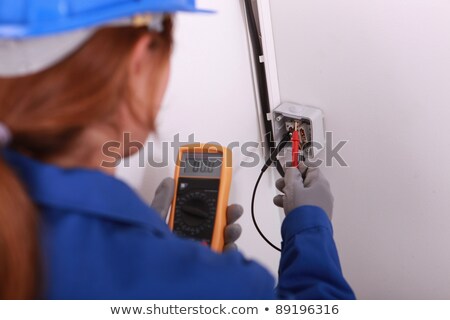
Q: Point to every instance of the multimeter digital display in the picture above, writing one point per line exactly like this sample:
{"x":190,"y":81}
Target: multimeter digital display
{"x":203,"y":179}
{"x":201,"y":165}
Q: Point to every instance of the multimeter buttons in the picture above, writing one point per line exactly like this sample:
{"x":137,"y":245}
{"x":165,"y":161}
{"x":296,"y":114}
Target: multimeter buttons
{"x":195,"y":212}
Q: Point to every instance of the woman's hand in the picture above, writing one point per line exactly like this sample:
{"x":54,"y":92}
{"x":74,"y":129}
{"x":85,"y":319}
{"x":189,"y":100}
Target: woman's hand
{"x":163,"y":200}
{"x":233,"y":230}
{"x":314,"y":190}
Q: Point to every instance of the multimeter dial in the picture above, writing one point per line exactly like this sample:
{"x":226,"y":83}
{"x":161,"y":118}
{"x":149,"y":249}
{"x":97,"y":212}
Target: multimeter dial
{"x":196,"y":207}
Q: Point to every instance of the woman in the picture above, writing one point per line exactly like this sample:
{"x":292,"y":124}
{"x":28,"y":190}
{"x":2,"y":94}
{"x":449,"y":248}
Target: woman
{"x":72,"y":78}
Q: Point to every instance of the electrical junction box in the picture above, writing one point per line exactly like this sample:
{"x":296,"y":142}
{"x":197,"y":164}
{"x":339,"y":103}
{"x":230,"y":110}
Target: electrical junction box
{"x":310,"y":121}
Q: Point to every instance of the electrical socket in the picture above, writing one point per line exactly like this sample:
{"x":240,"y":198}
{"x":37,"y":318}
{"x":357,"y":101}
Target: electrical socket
{"x":311,"y":120}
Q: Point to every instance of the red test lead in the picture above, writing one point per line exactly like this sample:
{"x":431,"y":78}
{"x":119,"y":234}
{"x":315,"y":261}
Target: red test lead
{"x":295,"y":146}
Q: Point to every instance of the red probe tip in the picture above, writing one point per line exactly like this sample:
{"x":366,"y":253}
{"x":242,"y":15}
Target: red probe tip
{"x":295,"y":148}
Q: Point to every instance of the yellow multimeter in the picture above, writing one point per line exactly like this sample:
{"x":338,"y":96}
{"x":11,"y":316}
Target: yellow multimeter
{"x":202,"y":186}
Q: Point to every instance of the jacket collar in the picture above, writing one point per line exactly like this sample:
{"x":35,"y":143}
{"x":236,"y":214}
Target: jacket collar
{"x":81,"y":190}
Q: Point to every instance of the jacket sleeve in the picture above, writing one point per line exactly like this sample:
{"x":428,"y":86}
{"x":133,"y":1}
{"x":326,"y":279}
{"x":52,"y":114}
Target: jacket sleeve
{"x":309,"y":267}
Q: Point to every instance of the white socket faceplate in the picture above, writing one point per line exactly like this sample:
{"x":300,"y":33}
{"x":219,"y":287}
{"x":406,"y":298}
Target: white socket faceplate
{"x":290,"y":111}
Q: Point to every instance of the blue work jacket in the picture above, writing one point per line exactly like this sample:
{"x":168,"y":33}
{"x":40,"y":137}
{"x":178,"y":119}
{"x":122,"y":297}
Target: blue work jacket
{"x":99,"y":240}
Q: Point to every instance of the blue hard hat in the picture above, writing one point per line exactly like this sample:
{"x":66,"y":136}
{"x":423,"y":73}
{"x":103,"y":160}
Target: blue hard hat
{"x":36,"y":34}
{"x":31,"y":18}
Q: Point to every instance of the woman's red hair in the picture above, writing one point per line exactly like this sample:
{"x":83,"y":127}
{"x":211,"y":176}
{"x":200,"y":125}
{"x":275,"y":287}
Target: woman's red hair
{"x":46,"y":112}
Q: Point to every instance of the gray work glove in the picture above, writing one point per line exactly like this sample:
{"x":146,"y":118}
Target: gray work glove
{"x":314,"y":190}
{"x":163,"y":200}
{"x":163,"y":197}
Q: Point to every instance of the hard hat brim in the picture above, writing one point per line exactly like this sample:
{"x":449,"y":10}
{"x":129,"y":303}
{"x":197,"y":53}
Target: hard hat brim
{"x":50,"y":31}
{"x":43,"y":19}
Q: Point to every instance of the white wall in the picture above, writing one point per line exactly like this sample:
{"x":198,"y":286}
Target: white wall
{"x":381,"y":72}
{"x":211,"y":94}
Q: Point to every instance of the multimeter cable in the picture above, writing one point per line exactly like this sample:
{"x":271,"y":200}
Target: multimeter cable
{"x":273,"y":158}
